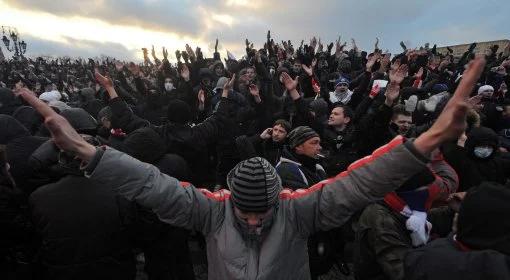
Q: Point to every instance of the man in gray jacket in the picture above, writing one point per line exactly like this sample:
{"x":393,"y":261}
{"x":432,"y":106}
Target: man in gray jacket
{"x":257,"y":230}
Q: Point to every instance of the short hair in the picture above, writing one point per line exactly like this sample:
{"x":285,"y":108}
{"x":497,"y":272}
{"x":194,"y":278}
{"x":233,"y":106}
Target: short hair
{"x":348,"y":112}
{"x":400,"y":110}
{"x":283,"y":123}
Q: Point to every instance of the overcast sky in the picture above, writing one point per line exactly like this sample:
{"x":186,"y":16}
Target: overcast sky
{"x":120,"y":28}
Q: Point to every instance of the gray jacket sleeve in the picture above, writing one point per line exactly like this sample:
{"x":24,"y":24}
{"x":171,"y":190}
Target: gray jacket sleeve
{"x":330,"y":203}
{"x":176,"y":203}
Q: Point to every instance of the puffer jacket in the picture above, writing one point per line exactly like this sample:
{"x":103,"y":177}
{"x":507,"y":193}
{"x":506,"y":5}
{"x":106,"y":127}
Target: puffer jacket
{"x":282,"y":252}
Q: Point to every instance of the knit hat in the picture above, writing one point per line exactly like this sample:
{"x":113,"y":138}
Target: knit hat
{"x":254,"y":184}
{"x":483,"y":218}
{"x":221,"y":83}
{"x":485,"y":88}
{"x":178,"y":112}
{"x":301,"y":134}
{"x":342,"y":80}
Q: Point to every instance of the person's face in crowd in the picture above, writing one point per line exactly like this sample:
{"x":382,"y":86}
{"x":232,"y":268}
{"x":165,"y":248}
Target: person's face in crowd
{"x":296,"y":67}
{"x":219,"y":71}
{"x":206,"y":82}
{"x":106,"y":122}
{"x":278,"y":133}
{"x":37,"y":87}
{"x":323,"y":64}
{"x":169,"y":85}
{"x":251,"y":73}
{"x":403,"y":123}
{"x":253,"y":219}
{"x":487,"y":93}
{"x":483,"y":151}
{"x":337,"y":118}
{"x":310,"y":148}
{"x":342,"y":88}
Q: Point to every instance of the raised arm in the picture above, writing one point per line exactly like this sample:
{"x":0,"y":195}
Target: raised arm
{"x":176,"y":203}
{"x":330,"y":203}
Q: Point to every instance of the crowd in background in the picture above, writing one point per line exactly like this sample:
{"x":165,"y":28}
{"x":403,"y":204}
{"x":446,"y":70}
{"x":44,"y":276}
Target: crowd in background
{"x":311,"y":110}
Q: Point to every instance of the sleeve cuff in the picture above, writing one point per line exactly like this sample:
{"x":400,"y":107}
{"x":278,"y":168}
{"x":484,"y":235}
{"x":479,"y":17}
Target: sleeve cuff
{"x":91,"y":166}
{"x":409,"y":144}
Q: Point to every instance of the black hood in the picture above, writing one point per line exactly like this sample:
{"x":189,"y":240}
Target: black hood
{"x":144,"y":144}
{"x":80,"y":120}
{"x":8,"y":101}
{"x":11,"y":129}
{"x":483,"y":218}
{"x":480,"y":136}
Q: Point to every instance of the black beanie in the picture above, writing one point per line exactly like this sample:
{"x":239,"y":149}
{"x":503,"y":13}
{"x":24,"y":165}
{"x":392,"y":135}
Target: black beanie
{"x":483,"y":218}
{"x":178,"y":112}
{"x":144,"y":144}
{"x":301,"y":134}
{"x":255,"y":185}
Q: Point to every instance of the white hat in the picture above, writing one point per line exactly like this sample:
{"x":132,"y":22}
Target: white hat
{"x":50,"y":96}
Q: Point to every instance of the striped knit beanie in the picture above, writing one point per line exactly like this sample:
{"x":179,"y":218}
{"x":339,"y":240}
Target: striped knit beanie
{"x":300,"y":134}
{"x":254,"y":185}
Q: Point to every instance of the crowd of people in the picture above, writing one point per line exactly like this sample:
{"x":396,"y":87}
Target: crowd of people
{"x":286,"y":163}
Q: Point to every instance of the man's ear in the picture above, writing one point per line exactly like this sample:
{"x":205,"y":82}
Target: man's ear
{"x":347,"y":120}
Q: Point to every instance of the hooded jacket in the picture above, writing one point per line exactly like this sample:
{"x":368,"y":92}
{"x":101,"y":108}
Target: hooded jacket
{"x":282,"y":252}
{"x":299,"y":173}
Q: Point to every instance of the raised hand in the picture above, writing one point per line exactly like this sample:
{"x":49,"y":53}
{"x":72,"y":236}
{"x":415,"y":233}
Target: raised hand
{"x":178,"y":55}
{"x":308,"y":69}
{"x":371,"y":61}
{"x":62,"y":133}
{"x":185,"y":74}
{"x":153,"y":53}
{"x":190,"y":52}
{"x":201,"y":96}
{"x":104,"y":81}
{"x":376,"y":45}
{"x":451,"y":124}
{"x":228,"y":86}
{"x":397,"y":76}
{"x":216,"y":46}
{"x":353,"y":42}
{"x":165,"y":53}
{"x":266,"y":134}
{"x":392,"y":92}
{"x":268,"y":35}
{"x":254,"y":91}
{"x":289,"y":83}
{"x":321,"y":46}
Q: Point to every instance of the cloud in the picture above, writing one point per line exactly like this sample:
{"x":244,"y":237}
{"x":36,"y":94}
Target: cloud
{"x":170,"y":15}
{"x":77,"y":48}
